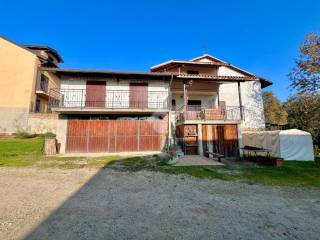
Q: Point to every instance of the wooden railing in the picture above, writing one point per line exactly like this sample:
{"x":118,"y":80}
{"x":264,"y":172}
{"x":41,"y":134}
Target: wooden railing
{"x":234,"y":113}
{"x":113,"y":99}
{"x":42,"y":84}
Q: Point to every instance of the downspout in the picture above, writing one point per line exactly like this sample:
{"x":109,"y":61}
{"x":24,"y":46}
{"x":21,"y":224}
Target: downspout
{"x":169,"y":115}
{"x":240,"y":101}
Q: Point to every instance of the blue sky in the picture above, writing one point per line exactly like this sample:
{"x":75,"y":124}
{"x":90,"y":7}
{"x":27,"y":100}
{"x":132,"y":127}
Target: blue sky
{"x":259,"y":36}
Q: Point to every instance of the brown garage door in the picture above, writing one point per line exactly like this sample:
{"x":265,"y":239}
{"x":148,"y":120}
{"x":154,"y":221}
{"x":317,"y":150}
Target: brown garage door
{"x":115,"y":135}
{"x":221,"y":139}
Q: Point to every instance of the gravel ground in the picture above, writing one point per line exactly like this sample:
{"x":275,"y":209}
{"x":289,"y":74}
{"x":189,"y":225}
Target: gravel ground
{"x":106,"y":204}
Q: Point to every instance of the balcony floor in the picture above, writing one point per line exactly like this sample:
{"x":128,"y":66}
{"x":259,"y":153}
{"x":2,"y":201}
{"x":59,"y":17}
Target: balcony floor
{"x":208,"y":122}
{"x":87,"y":110}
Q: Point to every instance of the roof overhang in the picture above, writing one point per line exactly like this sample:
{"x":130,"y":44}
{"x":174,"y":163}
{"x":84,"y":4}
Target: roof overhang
{"x":172,"y":63}
{"x":45,"y":48}
{"x":150,"y":75}
{"x":265,"y":83}
{"x":109,"y":74}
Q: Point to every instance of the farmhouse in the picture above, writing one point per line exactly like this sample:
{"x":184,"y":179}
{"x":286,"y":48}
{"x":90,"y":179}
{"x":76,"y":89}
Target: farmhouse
{"x":202,"y":104}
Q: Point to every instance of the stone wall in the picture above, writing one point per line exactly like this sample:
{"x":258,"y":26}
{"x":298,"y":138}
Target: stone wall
{"x":42,"y":122}
{"x":13,"y":119}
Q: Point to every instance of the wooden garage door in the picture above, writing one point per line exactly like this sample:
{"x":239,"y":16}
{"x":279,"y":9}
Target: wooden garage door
{"x":221,"y":139}
{"x":115,"y":135}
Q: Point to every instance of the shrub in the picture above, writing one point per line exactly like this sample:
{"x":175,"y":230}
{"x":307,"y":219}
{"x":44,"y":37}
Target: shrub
{"x":48,"y":135}
{"x":22,"y":135}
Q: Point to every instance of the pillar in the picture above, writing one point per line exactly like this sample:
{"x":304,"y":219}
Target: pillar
{"x":200,"y":146}
{"x":209,"y":137}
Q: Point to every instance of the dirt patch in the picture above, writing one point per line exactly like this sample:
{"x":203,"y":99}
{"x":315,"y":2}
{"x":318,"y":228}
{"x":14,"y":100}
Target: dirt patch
{"x":108,"y":204}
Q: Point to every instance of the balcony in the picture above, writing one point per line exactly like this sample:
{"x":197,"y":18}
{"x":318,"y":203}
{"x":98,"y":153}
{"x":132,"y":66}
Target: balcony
{"x":42,"y":86}
{"x":80,"y":100}
{"x":200,"y":113}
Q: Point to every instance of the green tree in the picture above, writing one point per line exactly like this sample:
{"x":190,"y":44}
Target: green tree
{"x":273,"y":110}
{"x":304,"y":113}
{"x":305,"y":76}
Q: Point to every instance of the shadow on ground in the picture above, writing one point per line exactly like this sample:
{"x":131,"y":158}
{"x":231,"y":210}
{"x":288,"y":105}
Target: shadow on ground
{"x":115,"y":204}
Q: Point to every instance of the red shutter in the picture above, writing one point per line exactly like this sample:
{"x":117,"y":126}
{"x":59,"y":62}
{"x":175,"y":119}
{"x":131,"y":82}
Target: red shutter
{"x":138,"y":95}
{"x":96,"y":94}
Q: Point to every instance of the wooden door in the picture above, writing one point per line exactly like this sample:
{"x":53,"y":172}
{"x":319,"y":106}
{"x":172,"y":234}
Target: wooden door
{"x":115,"y":135}
{"x":222,"y":139}
{"x":138,"y":95}
{"x":96,"y":94}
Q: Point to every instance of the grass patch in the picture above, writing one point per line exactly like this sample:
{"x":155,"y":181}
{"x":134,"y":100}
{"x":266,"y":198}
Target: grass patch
{"x":28,"y":152}
{"x":291,"y":173}
{"x":21,"y":147}
{"x":20,"y":152}
{"x":160,"y":164}
{"x":294,"y":173}
{"x":76,"y":162}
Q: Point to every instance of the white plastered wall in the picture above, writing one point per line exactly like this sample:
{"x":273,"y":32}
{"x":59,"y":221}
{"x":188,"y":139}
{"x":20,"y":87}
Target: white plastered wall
{"x":117,"y":93}
{"x":206,"y":100}
{"x":251,"y":95}
{"x":76,"y":97}
{"x":226,"y":71}
{"x":158,"y":94}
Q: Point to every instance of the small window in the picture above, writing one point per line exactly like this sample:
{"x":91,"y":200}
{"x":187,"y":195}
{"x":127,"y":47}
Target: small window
{"x":38,"y":106}
{"x":194,"y":102}
{"x":173,"y":104}
{"x":194,"y":105}
{"x":192,"y":72}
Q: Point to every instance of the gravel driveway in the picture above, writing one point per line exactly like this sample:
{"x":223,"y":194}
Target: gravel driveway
{"x":106,"y":204}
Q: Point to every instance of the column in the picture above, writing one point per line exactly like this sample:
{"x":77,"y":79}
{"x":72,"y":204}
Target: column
{"x":200,"y":147}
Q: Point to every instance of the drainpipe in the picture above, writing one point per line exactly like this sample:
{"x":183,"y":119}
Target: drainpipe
{"x":169,"y":114}
{"x":184,"y":100}
{"x":240,"y":101}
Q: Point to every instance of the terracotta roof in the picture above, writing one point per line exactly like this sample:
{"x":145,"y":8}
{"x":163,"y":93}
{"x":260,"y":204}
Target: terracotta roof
{"x":171,"y":63}
{"x":205,"y":76}
{"x":215,"y":62}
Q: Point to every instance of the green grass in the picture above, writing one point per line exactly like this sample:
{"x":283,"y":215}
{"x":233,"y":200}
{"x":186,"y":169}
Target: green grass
{"x":20,"y":152}
{"x":291,"y":173}
{"x":294,"y":173}
{"x":28,"y":152}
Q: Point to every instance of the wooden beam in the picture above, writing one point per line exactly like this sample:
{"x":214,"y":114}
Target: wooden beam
{"x":240,"y":100}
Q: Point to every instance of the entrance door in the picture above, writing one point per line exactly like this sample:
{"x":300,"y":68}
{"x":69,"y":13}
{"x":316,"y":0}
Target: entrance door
{"x":96,"y":94}
{"x":138,"y":95}
{"x":222,"y":139}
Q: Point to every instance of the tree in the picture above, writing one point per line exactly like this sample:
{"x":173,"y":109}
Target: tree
{"x":304,"y":113}
{"x":305,"y":76}
{"x":273,"y":110}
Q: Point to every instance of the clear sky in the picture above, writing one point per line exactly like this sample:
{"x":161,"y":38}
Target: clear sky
{"x":259,"y":36}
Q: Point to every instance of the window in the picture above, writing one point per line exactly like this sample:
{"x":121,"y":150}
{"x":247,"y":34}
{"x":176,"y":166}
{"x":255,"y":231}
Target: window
{"x":173,"y":104}
{"x":38,"y":106}
{"x":194,"y":105}
{"x":192,"y":72}
{"x":44,"y":83}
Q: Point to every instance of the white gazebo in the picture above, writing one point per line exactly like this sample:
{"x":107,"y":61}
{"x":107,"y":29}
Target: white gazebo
{"x":290,"y":144}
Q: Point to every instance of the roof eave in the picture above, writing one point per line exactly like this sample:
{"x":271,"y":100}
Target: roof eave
{"x":64,"y":71}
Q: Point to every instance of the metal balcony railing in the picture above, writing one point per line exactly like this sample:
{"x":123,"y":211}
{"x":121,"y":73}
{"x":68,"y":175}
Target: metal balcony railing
{"x":110,"y":99}
{"x":233,"y":113}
